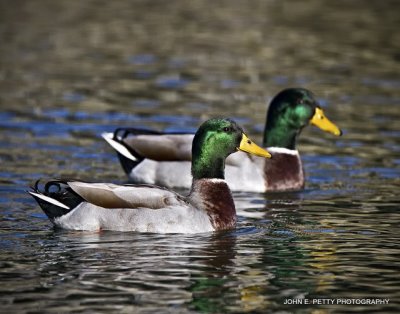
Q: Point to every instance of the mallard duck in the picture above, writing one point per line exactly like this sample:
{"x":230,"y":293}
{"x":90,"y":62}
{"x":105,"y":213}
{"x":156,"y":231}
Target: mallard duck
{"x":151,"y":156}
{"x":147,"y":208}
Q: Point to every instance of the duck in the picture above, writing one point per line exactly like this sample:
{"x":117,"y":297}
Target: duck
{"x":149,"y":156}
{"x":209,"y":206}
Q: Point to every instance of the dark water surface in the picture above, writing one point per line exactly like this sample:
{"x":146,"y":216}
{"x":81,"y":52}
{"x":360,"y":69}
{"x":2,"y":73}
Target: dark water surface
{"x":70,"y":70}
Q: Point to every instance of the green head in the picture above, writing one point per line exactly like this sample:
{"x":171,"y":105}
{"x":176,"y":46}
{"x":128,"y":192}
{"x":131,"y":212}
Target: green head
{"x":289,"y":112}
{"x":215,"y":140}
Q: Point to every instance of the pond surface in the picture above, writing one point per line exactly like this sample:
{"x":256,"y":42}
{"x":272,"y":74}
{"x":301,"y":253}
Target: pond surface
{"x":70,"y":70}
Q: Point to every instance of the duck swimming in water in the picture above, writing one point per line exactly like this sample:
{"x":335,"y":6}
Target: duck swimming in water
{"x":209,"y":206}
{"x":153,"y":157}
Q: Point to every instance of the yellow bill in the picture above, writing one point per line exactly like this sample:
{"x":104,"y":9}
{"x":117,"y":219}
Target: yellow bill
{"x":247,"y":145}
{"x":320,"y":120}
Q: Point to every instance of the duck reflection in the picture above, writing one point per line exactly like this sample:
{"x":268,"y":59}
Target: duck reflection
{"x":268,"y":258}
{"x":162,"y":270}
{"x":297,"y":241}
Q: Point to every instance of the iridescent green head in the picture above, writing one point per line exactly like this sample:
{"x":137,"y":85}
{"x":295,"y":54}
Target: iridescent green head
{"x":289,"y":112}
{"x":215,"y":140}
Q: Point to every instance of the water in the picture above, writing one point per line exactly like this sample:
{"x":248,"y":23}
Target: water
{"x":70,"y":70}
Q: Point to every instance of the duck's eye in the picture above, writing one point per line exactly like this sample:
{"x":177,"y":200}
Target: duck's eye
{"x":227,"y":129}
{"x":300,"y":101}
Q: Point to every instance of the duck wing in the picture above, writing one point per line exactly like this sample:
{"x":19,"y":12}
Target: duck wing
{"x":109,"y":195}
{"x":162,"y":147}
{"x":171,"y":147}
{"x":139,"y":144}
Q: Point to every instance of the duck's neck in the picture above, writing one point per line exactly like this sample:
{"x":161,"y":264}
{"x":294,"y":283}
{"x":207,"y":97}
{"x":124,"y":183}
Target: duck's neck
{"x":205,"y":165}
{"x":280,"y":135}
{"x":214,"y":197}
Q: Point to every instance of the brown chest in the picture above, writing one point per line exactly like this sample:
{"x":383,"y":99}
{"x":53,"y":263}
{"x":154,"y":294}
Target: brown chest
{"x":217,"y":201}
{"x":284,"y":172}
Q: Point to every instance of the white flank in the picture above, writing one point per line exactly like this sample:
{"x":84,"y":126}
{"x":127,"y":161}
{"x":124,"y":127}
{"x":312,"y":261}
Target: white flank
{"x":49,"y":200}
{"x":117,"y":146}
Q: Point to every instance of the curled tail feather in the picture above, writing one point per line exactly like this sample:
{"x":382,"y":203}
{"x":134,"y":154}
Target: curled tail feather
{"x":55,"y":197}
{"x":128,"y":157}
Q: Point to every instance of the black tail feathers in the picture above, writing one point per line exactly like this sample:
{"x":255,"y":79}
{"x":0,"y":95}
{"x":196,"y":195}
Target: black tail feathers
{"x":119,"y":135}
{"x":122,"y":133}
{"x":55,"y":197}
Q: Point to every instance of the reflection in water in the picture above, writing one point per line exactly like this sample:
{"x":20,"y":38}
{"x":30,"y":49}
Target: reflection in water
{"x":208,"y":288}
{"x":97,"y":65}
